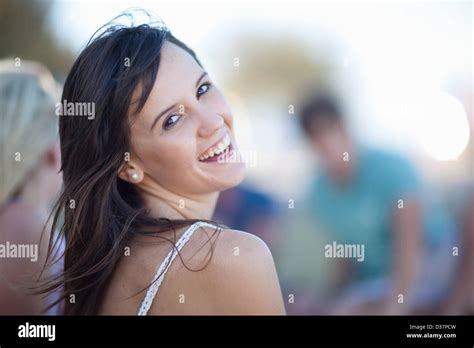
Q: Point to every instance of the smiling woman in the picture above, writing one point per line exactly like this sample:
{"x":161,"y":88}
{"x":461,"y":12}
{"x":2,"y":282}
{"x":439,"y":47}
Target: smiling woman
{"x":141,"y":185}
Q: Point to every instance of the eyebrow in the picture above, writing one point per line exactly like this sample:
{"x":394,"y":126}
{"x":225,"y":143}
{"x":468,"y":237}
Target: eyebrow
{"x":161,"y":114}
{"x":174,"y":105}
{"x":200,"y":78}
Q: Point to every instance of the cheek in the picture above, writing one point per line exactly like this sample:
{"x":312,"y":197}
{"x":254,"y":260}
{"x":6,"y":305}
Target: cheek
{"x":165,"y":158}
{"x":174,"y":156}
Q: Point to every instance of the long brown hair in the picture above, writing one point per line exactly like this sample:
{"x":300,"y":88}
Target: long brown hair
{"x":101,"y":211}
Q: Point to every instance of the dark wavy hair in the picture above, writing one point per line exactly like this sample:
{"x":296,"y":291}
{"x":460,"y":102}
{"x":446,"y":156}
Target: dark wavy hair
{"x":108,"y":211}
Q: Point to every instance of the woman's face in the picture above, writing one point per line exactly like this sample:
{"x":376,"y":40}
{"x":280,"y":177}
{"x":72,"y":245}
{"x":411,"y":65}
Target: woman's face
{"x":185,"y":120}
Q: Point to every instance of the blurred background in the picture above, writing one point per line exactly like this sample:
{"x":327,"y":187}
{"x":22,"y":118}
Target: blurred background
{"x":400,"y":74}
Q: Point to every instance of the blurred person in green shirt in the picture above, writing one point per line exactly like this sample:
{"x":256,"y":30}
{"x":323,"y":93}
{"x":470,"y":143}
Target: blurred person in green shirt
{"x":373,"y":201}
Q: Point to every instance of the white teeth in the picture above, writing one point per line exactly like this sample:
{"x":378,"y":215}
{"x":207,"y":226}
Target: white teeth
{"x":220,"y":147}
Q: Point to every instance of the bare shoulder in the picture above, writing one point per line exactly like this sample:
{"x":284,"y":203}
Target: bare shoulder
{"x":238,"y":248}
{"x":240,"y":277}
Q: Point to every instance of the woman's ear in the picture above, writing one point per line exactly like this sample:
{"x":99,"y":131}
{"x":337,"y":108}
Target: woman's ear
{"x":131,"y":173}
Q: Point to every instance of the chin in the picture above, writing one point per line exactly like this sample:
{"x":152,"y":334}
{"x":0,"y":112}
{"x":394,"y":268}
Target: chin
{"x":236,"y":176}
{"x":230,"y":176}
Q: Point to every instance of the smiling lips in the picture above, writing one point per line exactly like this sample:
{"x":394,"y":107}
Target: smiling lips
{"x":215,"y":150}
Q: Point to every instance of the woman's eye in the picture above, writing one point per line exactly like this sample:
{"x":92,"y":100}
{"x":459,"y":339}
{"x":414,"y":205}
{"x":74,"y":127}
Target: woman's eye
{"x":170,"y":121}
{"x":203,"y":89}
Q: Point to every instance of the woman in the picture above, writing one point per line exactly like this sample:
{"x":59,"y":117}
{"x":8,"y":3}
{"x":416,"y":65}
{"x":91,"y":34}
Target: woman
{"x":141,"y":180}
{"x":30,"y":182}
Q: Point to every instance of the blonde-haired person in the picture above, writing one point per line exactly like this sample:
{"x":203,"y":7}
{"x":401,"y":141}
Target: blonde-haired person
{"x":29,"y":179}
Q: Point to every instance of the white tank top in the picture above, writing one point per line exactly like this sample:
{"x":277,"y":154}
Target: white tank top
{"x":160,"y":273}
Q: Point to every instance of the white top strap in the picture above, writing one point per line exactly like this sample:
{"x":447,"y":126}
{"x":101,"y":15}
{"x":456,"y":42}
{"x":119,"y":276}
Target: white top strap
{"x":158,"y":278}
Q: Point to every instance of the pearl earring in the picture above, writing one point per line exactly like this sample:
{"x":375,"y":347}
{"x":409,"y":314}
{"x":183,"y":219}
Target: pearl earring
{"x":134,"y":176}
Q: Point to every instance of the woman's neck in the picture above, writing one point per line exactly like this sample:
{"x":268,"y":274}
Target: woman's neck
{"x":167,"y":204}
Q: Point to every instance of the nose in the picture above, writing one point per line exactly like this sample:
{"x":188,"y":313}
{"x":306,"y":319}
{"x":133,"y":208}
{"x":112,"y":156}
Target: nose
{"x":209,"y":122}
